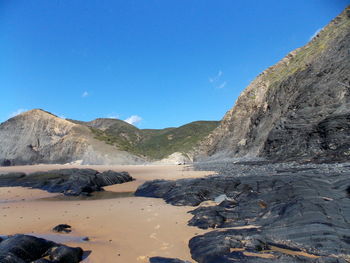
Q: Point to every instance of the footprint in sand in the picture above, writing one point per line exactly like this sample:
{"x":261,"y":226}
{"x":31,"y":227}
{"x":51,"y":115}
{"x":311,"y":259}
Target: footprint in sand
{"x":157,"y":227}
{"x":164,"y":246}
{"x":153,"y":235}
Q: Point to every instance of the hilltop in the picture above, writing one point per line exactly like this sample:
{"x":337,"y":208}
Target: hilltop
{"x":38,"y":136}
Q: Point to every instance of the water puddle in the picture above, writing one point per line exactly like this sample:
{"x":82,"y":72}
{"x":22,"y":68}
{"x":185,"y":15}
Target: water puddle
{"x":95,"y":196}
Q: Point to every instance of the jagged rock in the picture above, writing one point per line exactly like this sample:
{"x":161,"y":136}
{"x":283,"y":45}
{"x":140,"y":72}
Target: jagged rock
{"x":297,"y":109}
{"x":287,"y":205}
{"x":62,"y":228}
{"x":249,"y":246}
{"x":66,"y":181}
{"x":187,"y":191}
{"x":23,"y":248}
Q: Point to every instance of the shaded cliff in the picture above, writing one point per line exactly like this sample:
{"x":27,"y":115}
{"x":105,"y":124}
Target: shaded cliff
{"x":296,"y":109}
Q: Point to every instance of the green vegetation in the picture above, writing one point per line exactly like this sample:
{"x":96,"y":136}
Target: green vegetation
{"x":304,"y":55}
{"x":155,"y":144}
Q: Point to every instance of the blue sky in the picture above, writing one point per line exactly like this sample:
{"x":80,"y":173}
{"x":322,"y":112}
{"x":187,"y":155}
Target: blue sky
{"x":157,"y":63}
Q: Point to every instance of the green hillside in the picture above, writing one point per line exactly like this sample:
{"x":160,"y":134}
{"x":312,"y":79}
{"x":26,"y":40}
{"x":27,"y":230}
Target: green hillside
{"x":151,"y":143}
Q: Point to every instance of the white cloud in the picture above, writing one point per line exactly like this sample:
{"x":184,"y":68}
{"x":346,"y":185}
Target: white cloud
{"x":112,"y":116}
{"x":216,"y":78}
{"x":315,"y":34}
{"x":217,"y":81}
{"x":133,"y":120}
{"x":222,"y":85}
{"x":15,"y":113}
{"x":85,"y":94}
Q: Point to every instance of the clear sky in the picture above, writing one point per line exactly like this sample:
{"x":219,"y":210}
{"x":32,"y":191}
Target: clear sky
{"x":168,"y":62}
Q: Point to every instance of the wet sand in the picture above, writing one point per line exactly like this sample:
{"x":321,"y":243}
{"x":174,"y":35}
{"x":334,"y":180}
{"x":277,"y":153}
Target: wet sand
{"x":125,"y":229}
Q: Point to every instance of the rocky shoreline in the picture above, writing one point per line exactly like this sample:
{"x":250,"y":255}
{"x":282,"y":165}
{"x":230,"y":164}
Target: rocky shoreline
{"x":282,"y":212}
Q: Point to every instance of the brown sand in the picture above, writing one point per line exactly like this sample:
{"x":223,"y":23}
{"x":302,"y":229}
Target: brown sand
{"x":129,"y":229}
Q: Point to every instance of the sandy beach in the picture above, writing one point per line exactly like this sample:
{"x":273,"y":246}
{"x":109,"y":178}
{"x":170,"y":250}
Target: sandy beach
{"x":126,"y":229}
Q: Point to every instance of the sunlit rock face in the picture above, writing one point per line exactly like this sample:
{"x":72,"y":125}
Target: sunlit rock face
{"x":37,"y":136}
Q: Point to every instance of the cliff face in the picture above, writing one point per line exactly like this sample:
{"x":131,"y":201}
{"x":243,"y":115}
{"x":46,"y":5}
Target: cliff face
{"x":298,"y":108}
{"x":37,"y":136}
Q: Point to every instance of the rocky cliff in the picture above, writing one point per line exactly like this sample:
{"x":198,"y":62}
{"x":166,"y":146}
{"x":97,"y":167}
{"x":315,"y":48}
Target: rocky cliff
{"x":37,"y":136}
{"x":296,"y":109}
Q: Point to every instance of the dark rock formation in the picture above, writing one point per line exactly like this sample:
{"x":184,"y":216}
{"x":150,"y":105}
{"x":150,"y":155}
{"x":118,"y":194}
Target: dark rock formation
{"x":65,"y":254}
{"x":6,"y":163}
{"x":279,"y":207}
{"x":23,"y":248}
{"x":66,"y":181}
{"x":62,"y":228}
{"x":249,"y":246}
{"x":166,"y":260}
{"x":187,"y":191}
{"x":296,"y":109}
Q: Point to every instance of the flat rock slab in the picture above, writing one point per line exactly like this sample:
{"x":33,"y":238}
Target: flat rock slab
{"x":271,"y":212}
{"x":24,"y":248}
{"x":67,"y":181}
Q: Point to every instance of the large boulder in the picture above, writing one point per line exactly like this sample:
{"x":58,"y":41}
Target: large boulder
{"x":24,"y":248}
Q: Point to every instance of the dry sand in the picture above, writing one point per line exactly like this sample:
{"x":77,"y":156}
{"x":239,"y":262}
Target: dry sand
{"x":128,"y":229}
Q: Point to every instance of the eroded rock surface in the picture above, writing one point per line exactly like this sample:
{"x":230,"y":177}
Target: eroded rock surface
{"x":24,"y":248}
{"x":273,"y":212}
{"x":66,"y":181}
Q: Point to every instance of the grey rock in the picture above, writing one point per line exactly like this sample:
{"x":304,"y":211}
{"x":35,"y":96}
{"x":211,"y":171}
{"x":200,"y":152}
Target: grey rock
{"x":67,"y":181}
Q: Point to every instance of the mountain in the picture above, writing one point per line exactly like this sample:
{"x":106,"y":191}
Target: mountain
{"x":152,"y":144}
{"x":296,"y":109}
{"x":38,"y":136}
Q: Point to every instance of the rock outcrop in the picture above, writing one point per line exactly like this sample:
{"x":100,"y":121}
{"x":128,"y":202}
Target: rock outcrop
{"x":37,"y":136}
{"x":72,"y":182}
{"x":283,"y":212}
{"x":296,"y":109}
{"x":24,"y":248}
